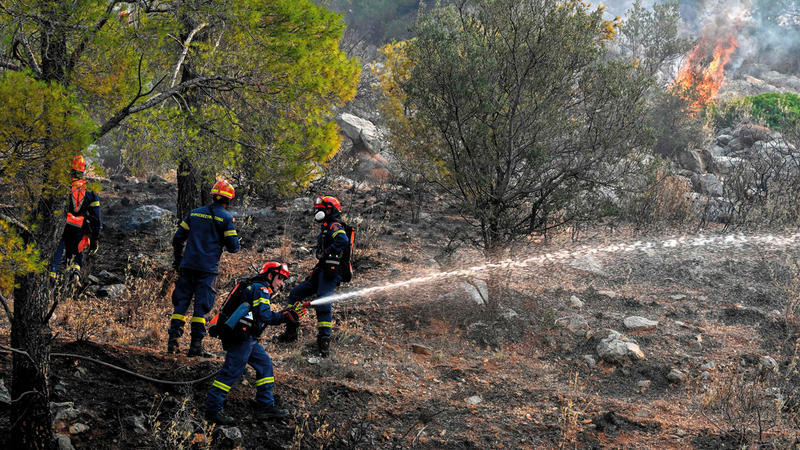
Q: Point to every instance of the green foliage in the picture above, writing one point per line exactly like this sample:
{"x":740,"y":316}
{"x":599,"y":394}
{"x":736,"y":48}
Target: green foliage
{"x":650,"y":37}
{"x":41,"y":130}
{"x":535,"y":122}
{"x":675,"y":120}
{"x":776,"y":109}
{"x":271,"y":124}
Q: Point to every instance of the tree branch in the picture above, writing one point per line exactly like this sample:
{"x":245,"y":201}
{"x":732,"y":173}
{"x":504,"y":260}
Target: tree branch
{"x":8,"y":310}
{"x":185,"y":52}
{"x":21,"y":352}
{"x":73,"y":59}
{"x":126,"y":111}
{"x":5,"y":65}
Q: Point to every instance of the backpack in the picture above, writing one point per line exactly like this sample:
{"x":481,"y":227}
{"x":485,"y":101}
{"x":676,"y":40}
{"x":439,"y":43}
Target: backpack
{"x":347,"y":254}
{"x":231,"y":323}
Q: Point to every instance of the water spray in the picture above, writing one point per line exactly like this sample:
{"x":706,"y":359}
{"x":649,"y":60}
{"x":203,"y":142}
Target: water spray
{"x":724,"y":241}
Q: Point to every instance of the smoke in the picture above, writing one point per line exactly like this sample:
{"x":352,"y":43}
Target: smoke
{"x":767,"y":32}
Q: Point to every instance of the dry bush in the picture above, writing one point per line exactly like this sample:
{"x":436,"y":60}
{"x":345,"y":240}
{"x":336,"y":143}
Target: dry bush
{"x":665,"y":203}
{"x":763,"y":192}
{"x":85,"y":318}
{"x":312,"y":429}
{"x":752,"y":405}
{"x":573,"y":404}
{"x":180,"y":429}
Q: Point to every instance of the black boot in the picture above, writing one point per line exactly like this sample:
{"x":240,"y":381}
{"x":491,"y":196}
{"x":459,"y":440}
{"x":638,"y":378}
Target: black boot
{"x":172,"y":345}
{"x":273,"y":412}
{"x":196,"y":349}
{"x":289,"y":334}
{"x":324,"y":345}
{"x":219,"y":418}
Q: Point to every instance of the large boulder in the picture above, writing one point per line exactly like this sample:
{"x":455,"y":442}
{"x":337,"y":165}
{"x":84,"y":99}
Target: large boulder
{"x":690,"y":160}
{"x":149,"y":217}
{"x":707,"y":183}
{"x":749,"y":134}
{"x":360,"y":131}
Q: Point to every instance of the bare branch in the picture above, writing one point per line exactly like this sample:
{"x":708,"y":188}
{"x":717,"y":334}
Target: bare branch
{"x":8,"y":310}
{"x":34,"y":66}
{"x":185,"y":51}
{"x":21,"y":352}
{"x":5,"y":65}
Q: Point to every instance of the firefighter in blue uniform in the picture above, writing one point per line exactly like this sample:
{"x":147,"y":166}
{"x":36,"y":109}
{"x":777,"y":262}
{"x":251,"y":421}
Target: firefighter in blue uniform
{"x":247,"y":349}
{"x":83,"y":225}
{"x":325,"y":276}
{"x":206,"y":231}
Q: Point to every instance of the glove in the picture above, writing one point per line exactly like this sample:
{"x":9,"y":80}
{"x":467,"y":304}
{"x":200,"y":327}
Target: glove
{"x":300,"y":310}
{"x":176,"y":264}
{"x":93,"y":244}
{"x":320,"y":254}
{"x":290,"y":316}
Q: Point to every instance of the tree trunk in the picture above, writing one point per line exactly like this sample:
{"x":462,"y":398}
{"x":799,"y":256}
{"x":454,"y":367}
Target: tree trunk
{"x":31,"y":419}
{"x":189,"y":187}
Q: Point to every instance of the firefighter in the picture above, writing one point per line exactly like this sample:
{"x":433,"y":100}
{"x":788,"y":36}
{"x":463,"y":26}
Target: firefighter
{"x":246,"y":349}
{"x":206,"y":231}
{"x":325,"y":276}
{"x":83,"y":226}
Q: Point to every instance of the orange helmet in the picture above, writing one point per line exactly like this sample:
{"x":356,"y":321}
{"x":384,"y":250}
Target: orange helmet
{"x":79,"y":164}
{"x":327,"y":202}
{"x":275,"y":267}
{"x":223,"y":189}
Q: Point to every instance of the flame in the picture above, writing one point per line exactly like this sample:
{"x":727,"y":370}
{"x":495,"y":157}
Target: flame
{"x":701,"y":84}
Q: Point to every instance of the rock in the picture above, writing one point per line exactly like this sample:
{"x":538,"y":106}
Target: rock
{"x":421,"y":349}
{"x":508,"y":313}
{"x":78,"y":428}
{"x":228,"y":438}
{"x":724,"y":139}
{"x":707,"y":183}
{"x":617,"y":349}
{"x":575,"y":302}
{"x":112,"y":291}
{"x":63,"y":443}
{"x":705,"y":375}
{"x":708,"y":366}
{"x":588,"y":263}
{"x":607,"y":294}
{"x":735,"y":145}
{"x":59,"y":390}
{"x":314,"y":360}
{"x":360,"y":131}
{"x":256,"y":213}
{"x":5,"y":396}
{"x":748,"y":134}
{"x":156,"y":180}
{"x":769,"y":363}
{"x":644,"y":384}
{"x":137,"y":423}
{"x":106,"y":277}
{"x":149,"y":217}
{"x":474,"y":400}
{"x":675,"y":376}
{"x":589,"y":360}
{"x":476,"y":291}
{"x":636,"y":323}
{"x":303,"y":204}
{"x":578,"y":325}
{"x":690,"y":160}
{"x":724,"y":165}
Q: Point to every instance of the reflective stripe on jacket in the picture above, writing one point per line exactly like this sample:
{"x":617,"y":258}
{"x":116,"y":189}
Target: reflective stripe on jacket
{"x":205,"y":231}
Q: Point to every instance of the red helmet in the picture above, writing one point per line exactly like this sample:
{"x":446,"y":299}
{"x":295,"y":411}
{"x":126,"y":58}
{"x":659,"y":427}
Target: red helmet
{"x":327,"y":202}
{"x":275,"y":267}
{"x":79,"y":164}
{"x":223,"y":189}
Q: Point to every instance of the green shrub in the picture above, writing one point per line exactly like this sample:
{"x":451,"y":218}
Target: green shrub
{"x":776,"y":109}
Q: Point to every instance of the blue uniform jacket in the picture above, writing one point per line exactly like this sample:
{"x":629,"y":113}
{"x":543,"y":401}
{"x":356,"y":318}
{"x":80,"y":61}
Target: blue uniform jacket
{"x":205,"y":231}
{"x":333,"y":239}
{"x":89,"y":208}
{"x":259,"y":295}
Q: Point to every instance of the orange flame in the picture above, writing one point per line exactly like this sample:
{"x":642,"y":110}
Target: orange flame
{"x":701,"y":84}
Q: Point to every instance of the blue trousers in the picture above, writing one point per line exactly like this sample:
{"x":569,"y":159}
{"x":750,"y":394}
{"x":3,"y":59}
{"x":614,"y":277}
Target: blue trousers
{"x":69,"y":243}
{"x":200,"y":286}
{"x":238,"y":356}
{"x":320,"y":286}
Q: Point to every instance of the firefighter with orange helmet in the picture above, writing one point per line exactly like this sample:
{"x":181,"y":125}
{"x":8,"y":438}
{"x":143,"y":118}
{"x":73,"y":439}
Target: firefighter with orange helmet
{"x":326,"y":275}
{"x":83,"y":225}
{"x":242,"y":347}
{"x":206,"y":231}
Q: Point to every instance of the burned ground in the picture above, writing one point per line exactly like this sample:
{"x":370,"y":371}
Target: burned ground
{"x":509,"y":374}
